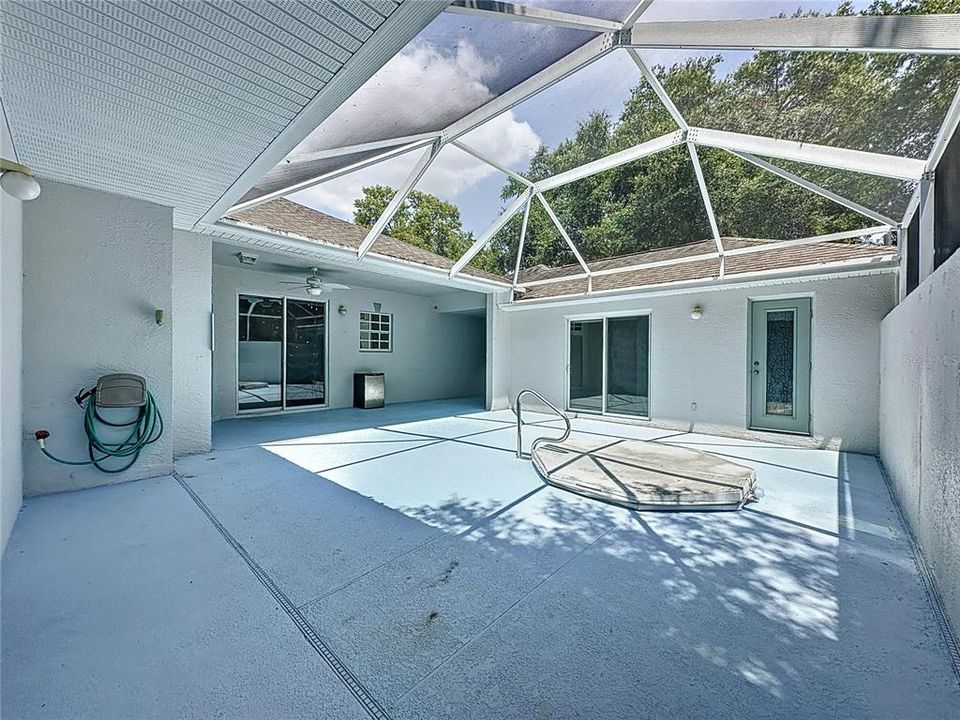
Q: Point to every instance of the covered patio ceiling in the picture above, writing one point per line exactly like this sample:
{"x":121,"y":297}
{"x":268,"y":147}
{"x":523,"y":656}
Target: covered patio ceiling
{"x":541,"y":47}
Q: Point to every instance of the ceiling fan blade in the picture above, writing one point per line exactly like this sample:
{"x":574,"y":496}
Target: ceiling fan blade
{"x":334,"y":286}
{"x":287,"y":282}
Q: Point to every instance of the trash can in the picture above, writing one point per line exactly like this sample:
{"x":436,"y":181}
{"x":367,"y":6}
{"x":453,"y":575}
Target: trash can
{"x":368,"y":390}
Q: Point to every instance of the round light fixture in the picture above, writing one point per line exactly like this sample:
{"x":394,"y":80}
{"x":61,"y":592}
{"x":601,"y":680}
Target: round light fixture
{"x":697,"y":312}
{"x":342,"y":309}
{"x":314,"y":290}
{"x":20,"y":185}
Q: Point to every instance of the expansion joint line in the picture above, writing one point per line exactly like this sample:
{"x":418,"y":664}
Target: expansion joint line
{"x":343,"y":673}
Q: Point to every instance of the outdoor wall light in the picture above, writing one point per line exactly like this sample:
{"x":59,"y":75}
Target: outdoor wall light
{"x":342,"y":309}
{"x":697,"y":312}
{"x":18,"y":181}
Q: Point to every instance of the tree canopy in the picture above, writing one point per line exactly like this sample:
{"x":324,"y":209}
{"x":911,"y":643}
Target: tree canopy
{"x":885,"y":103}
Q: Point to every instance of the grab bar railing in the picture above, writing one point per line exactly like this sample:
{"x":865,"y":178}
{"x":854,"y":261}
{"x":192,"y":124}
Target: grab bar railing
{"x":518,"y":411}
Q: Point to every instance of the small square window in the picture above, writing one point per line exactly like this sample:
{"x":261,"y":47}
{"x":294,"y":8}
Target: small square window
{"x":376,"y":332}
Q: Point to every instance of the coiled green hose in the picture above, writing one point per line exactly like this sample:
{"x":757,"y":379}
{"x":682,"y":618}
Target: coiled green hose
{"x":145,"y":429}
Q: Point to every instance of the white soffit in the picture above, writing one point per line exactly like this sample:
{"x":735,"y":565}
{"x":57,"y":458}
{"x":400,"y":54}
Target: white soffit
{"x":183,"y":103}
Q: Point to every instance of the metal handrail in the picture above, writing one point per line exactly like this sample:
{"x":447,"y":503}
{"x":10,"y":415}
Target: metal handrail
{"x":518,"y":411}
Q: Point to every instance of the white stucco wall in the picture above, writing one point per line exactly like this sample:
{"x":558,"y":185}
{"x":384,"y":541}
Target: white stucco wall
{"x":435,"y":354}
{"x":96,"y":266}
{"x":705,"y":361}
{"x":11,"y":296}
{"x":190,"y":320}
{"x":920,"y":420}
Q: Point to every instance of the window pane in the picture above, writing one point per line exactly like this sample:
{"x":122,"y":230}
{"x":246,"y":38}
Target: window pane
{"x":259,"y":353}
{"x":586,"y":365}
{"x":628,"y":356}
{"x":780,"y":352}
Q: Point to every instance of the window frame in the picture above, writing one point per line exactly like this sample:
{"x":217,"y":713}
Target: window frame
{"x":378,"y":335}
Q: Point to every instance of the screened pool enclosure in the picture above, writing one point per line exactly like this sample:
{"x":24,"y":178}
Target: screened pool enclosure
{"x":538,"y":142}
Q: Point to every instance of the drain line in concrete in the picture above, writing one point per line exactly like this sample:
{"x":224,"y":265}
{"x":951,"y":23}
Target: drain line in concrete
{"x":356,"y":688}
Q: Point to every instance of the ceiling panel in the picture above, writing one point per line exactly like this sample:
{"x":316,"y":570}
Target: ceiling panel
{"x":173,"y":101}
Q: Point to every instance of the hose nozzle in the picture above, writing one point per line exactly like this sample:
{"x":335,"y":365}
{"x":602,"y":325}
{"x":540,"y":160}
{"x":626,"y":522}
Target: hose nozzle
{"x":41,"y":435}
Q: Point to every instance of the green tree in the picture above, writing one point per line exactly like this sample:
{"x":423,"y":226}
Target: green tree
{"x":423,"y":220}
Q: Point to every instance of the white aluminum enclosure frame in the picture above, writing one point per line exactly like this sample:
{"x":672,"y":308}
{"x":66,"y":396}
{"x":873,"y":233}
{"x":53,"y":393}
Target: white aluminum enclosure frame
{"x":931,"y":34}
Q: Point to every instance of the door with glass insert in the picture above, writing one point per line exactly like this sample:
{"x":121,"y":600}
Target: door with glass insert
{"x":780,"y":365}
{"x":281,"y":353}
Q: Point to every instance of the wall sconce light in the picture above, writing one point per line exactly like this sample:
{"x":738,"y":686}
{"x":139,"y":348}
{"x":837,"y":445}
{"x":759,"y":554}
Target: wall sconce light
{"x":697,"y":312}
{"x":342,"y":309}
{"x":17,"y":180}
{"x":376,"y":307}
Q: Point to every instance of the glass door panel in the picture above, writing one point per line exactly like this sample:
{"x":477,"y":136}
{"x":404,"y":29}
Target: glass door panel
{"x":259,"y":353}
{"x":628,"y":366}
{"x":305,"y":353}
{"x":586,"y":365}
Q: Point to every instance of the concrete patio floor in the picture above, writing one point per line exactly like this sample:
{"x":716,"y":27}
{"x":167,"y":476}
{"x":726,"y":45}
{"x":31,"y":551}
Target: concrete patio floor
{"x":403,"y":563}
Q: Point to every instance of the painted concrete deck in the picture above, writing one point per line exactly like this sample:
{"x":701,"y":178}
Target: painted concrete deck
{"x":436,"y":573}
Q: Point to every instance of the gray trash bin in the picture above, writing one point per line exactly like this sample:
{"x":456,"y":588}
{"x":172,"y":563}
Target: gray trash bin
{"x":368,"y":390}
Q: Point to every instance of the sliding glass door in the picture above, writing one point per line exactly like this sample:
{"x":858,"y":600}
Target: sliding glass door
{"x":281,"y":353}
{"x":609,"y":370}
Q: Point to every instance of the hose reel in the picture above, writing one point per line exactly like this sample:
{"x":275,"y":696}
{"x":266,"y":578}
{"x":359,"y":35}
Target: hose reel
{"x":117,"y":391}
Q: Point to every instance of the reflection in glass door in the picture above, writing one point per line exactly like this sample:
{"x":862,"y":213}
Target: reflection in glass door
{"x":586,"y":365}
{"x":628,"y":355}
{"x":609,"y":369}
{"x":260,"y":353}
{"x":281,"y":353}
{"x":780,"y":365}
{"x":306,"y":353}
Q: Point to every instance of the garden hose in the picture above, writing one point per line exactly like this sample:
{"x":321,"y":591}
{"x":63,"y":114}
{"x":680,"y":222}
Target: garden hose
{"x":145,"y":429}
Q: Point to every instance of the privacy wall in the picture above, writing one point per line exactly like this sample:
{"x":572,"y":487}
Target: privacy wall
{"x":919,"y":416}
{"x":698,"y":368}
{"x":435,"y":354}
{"x":96,"y":266}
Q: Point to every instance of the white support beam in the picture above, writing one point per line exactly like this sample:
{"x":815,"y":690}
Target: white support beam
{"x":565,"y":66}
{"x":658,"y":89}
{"x":563,"y":233}
{"x":814,"y":188}
{"x":412,"y":179}
{"x":328,"y":153}
{"x":832,"y":157}
{"x":524,"y":13}
{"x":523,"y":238}
{"x":611,"y":161}
{"x":488,"y":234}
{"x":934,"y":34}
{"x":947,"y":129}
{"x":325,"y":177}
{"x":707,"y":205}
{"x":750,"y":250}
{"x":492,"y":163}
{"x":640,"y":9}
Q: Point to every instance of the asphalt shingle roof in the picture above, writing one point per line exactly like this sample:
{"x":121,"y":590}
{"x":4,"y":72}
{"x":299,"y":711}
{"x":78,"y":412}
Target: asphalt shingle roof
{"x":798,"y":256}
{"x":285,"y":216}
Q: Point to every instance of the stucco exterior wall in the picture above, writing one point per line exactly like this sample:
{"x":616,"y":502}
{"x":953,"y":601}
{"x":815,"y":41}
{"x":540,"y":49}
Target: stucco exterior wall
{"x":705,"y":361}
{"x":190,"y":320}
{"x":920,"y":420}
{"x":11,"y":350}
{"x":435,"y":355}
{"x":96,"y":266}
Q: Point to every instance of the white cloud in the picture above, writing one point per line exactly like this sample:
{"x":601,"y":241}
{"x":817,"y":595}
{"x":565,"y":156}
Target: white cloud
{"x":449,"y":85}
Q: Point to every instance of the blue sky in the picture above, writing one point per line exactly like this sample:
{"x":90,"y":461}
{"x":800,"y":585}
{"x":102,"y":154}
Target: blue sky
{"x":458,"y":63}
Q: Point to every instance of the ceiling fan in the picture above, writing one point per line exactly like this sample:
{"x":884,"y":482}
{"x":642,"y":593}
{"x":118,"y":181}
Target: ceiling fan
{"x":314,"y":285}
